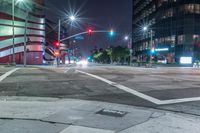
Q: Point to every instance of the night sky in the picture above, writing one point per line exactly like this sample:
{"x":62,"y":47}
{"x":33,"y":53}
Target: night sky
{"x":99,"y":14}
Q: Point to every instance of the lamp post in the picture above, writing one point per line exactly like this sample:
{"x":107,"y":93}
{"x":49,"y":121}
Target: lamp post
{"x":13,"y":30}
{"x":25,"y":37}
{"x":145,"y":29}
{"x":129,"y":40}
{"x":71,"y":18}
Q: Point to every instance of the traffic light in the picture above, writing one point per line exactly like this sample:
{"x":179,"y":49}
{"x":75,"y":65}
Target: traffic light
{"x":56,"y":44}
{"x":90,"y":31}
{"x":152,"y":50}
{"x":111,"y":33}
{"x":152,"y":58}
{"x":57,"y":53}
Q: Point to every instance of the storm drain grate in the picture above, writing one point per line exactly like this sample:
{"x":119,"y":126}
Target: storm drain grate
{"x":112,"y":113}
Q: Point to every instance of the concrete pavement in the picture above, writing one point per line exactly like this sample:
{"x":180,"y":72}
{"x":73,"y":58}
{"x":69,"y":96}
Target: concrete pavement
{"x":49,"y":115}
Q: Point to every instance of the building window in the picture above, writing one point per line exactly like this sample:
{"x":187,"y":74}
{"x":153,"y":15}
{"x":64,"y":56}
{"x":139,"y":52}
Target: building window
{"x":181,"y":39}
{"x":190,"y":8}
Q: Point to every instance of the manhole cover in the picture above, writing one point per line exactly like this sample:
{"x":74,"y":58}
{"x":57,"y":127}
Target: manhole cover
{"x":113,"y":113}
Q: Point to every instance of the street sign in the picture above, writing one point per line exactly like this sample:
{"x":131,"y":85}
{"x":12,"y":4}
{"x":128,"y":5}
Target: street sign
{"x":79,"y":38}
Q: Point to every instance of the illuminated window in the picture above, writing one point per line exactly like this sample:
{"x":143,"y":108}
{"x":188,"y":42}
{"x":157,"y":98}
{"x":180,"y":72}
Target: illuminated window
{"x":181,"y":39}
{"x":190,"y":8}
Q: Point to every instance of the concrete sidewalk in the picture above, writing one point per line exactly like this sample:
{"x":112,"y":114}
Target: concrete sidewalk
{"x":49,"y":115}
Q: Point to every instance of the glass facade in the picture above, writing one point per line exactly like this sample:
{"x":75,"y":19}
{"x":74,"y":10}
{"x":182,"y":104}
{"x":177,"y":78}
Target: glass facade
{"x":35,"y":31}
{"x":174,"y":24}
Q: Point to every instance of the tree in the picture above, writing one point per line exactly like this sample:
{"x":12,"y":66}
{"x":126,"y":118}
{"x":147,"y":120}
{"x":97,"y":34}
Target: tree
{"x":109,"y":52}
{"x":120,"y":53}
{"x":97,"y":56}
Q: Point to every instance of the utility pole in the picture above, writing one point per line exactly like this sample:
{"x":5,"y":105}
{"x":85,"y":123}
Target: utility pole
{"x":25,"y":37}
{"x":151,"y":44}
{"x":59,"y":24}
{"x":131,"y":50}
{"x":59,"y":27}
{"x":13,"y":29}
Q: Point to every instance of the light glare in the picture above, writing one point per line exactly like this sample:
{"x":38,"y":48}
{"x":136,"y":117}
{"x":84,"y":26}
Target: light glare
{"x":145,"y":28}
{"x":72,"y":18}
{"x":126,"y":38}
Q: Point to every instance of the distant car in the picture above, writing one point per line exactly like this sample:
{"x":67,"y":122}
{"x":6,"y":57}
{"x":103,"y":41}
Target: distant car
{"x":161,"y":60}
{"x":164,"y":61}
{"x":82,"y":63}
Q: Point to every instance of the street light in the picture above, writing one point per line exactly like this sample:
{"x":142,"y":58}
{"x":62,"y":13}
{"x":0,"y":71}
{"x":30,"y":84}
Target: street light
{"x":146,"y":29}
{"x":126,"y":38}
{"x":72,"y":18}
{"x":129,"y":40}
{"x":13,"y":30}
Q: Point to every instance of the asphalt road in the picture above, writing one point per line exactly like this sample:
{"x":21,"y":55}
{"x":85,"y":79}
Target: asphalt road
{"x":174,"y":89}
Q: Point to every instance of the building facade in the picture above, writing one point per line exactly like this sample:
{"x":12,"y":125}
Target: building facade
{"x":173,"y":29}
{"x":35,"y":31}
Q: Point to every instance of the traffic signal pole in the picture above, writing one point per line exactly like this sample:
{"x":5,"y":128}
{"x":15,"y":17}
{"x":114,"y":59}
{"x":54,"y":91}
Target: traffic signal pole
{"x":85,"y":32}
{"x":59,"y":24}
{"x":151,"y":44}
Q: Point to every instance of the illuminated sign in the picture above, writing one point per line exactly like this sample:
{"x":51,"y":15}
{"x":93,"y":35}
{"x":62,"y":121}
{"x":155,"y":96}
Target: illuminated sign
{"x":162,"y":49}
{"x":79,"y":38}
{"x":186,"y":60}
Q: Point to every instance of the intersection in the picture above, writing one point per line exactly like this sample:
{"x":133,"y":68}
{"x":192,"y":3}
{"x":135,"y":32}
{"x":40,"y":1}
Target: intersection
{"x":161,"y":87}
{"x":70,"y":99}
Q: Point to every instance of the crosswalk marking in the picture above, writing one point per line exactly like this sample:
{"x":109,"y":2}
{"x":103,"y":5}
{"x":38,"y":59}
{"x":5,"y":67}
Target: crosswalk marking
{"x":141,"y":95}
{"x":2,"y":77}
{"x":81,"y":129}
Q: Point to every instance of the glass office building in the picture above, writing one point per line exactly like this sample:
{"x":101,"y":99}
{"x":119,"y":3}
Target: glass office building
{"x":35,"y":31}
{"x":173,"y":25}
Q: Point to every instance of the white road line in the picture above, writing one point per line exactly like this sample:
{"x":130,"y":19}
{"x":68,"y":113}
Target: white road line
{"x":183,"y":100}
{"x":81,"y":129}
{"x":129,"y":90}
{"x":141,"y":95}
{"x":66,"y":70}
{"x":2,"y":77}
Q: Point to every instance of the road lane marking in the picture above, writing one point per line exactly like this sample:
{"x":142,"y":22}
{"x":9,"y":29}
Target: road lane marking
{"x":182,"y":100}
{"x":124,"y":88}
{"x":66,"y":70}
{"x":141,"y":95}
{"x":2,"y":77}
{"x":81,"y":129}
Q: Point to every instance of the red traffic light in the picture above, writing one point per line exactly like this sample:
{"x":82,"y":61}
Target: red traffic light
{"x":57,"y":44}
{"x":90,"y":31}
